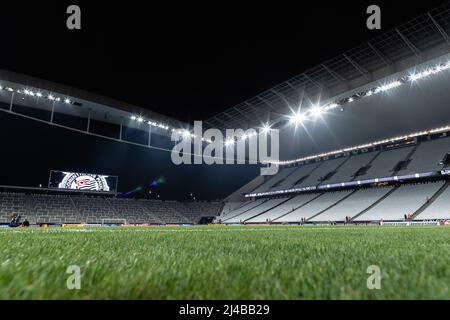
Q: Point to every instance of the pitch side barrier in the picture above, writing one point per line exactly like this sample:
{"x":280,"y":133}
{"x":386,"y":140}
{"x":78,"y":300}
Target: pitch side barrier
{"x":416,"y":177}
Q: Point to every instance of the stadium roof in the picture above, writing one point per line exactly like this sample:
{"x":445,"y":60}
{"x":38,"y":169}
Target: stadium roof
{"x":416,"y":41}
{"x":33,"y":93}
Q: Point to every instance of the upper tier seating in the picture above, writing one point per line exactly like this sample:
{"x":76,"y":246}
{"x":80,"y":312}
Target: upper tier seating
{"x":325,"y":168}
{"x":295,"y":177}
{"x":383,"y":165}
{"x":274,"y":180}
{"x":347,"y":171}
{"x":427,"y":156}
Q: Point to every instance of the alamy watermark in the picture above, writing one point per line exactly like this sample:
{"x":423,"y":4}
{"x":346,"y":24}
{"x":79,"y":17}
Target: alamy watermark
{"x":236,"y":147}
{"x":73,"y":22}
{"x":74,"y":280}
{"x":374,"y":280}
{"x":374,"y":20}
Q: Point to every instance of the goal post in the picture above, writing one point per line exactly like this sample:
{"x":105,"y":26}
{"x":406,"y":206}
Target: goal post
{"x":114,"y":222}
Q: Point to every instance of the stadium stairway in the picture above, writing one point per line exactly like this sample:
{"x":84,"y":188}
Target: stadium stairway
{"x":271,"y":208}
{"x":300,"y":206}
{"x":329,"y":175}
{"x":275,"y":180}
{"x":334,"y":204}
{"x":406,"y":199}
{"x":243,"y":209}
{"x":287,"y":207}
{"x":352,"y":205}
{"x":366,"y":166}
{"x":300,"y":174}
{"x":374,"y":204}
{"x":432,"y":199}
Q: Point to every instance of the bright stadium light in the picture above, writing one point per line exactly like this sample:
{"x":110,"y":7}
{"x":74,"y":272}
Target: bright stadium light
{"x":51,"y":97}
{"x":186,"y":133}
{"x":297,"y":118}
{"x":67,"y":100}
{"x":133,"y":117}
{"x":266,"y":128}
{"x":229,"y":142}
{"x":316,"y":111}
{"x":389,"y":86}
{"x":330,"y":106}
{"x":140,"y":119}
{"x":39,"y":95}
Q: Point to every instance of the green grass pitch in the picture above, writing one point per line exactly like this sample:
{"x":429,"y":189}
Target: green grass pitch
{"x":266,"y":262}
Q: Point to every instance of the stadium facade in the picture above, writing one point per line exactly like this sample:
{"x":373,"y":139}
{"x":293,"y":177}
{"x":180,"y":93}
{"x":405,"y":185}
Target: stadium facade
{"x":364,"y":138}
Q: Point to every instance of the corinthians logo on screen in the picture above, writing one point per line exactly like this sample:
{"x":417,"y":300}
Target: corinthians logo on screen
{"x":84,"y":181}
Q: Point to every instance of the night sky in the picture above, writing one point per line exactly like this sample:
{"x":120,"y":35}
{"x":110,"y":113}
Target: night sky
{"x":186,"y":60}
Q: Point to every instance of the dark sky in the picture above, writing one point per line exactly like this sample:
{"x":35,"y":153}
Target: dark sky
{"x":188,"y":60}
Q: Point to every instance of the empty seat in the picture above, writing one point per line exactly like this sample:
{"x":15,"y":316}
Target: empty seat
{"x":267,"y":205}
{"x":406,"y":199}
{"x":274,"y":180}
{"x":347,"y":171}
{"x":427,"y":156}
{"x":325,"y":168}
{"x":383,"y":165}
{"x":353,"y":205}
{"x":314,"y":207}
{"x":285,"y":208}
{"x":438,"y":209}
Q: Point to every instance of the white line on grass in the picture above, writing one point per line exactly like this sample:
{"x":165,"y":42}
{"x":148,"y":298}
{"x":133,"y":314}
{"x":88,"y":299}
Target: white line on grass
{"x":186,"y":229}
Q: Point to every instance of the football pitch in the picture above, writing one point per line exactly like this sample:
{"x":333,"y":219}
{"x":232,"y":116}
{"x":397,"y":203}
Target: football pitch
{"x":233,"y":262}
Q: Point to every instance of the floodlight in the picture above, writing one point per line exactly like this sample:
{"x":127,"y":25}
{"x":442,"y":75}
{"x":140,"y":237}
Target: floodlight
{"x":266,"y":128}
{"x":316,"y":111}
{"x":297,"y":118}
{"x":229,"y":142}
{"x":186,"y":133}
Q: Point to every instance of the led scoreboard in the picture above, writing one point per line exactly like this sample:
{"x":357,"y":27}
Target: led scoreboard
{"x":78,"y":181}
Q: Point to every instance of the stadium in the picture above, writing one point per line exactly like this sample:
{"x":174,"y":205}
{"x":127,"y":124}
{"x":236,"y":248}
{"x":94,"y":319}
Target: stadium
{"x":362,"y":181}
